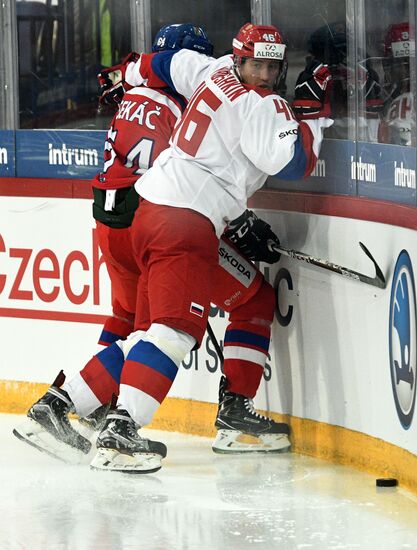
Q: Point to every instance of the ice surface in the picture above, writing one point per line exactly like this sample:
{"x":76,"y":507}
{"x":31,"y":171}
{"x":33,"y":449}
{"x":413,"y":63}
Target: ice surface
{"x":198,"y":500}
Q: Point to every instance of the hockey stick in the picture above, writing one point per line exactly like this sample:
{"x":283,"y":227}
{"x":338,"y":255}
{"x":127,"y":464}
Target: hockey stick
{"x":378,"y":280}
{"x":215,"y":343}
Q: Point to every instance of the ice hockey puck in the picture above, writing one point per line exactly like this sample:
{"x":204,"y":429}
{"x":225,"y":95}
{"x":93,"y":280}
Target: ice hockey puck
{"x":386,"y":482}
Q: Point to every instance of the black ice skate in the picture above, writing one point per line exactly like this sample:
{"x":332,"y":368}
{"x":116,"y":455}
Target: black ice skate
{"x":242,"y":430}
{"x":120,"y":448}
{"x":48,"y":428}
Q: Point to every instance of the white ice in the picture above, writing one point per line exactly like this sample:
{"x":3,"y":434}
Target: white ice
{"x":198,"y":500}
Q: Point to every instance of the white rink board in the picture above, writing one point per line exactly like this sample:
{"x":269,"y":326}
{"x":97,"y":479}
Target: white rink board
{"x":332,"y":360}
{"x":330,"y":364}
{"x":38,"y":349}
{"x":54,"y":235}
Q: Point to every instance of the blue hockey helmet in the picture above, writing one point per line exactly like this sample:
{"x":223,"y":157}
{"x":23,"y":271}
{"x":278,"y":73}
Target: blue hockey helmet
{"x":182,"y":35}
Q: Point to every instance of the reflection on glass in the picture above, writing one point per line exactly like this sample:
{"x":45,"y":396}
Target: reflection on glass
{"x":390,"y":45}
{"x":398,"y":124}
{"x":62,"y":47}
{"x":328,"y":45}
{"x":221,"y":20}
{"x":316,"y":30}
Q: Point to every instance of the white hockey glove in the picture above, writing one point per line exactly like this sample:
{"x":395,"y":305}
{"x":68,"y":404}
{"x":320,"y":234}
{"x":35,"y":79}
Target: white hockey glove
{"x":252,"y":237}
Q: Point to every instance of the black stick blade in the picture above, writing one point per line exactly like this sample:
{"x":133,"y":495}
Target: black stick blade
{"x":379,"y":274}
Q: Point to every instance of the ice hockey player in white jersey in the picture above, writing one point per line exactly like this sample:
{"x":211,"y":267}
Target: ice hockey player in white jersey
{"x":236,"y":130}
{"x":234,"y":133}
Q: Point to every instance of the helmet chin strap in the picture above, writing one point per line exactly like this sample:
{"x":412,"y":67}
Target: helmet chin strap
{"x":237,"y":72}
{"x":237,"y":62}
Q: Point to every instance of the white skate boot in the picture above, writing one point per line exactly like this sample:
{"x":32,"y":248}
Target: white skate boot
{"x":120,"y":448}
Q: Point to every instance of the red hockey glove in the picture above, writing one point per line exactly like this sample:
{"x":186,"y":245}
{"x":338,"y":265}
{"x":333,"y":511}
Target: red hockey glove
{"x":312,"y":92}
{"x":111,"y":81}
{"x":253,"y":238}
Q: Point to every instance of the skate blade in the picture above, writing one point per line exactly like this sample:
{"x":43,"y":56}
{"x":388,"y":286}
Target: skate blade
{"x":114,"y":461}
{"x":231,"y":441}
{"x":36,"y":436}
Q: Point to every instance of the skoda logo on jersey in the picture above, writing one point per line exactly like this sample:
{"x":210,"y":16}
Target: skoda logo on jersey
{"x":402,"y":339}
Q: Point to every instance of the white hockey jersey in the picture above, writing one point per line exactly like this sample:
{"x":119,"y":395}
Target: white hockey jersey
{"x":230,"y":138}
{"x":399,"y":120}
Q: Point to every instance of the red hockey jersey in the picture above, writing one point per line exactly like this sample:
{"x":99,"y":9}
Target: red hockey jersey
{"x":139,"y":132}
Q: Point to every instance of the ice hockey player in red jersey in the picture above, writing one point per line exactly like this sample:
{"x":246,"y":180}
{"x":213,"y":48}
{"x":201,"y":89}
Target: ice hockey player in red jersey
{"x":235,"y":132}
{"x":139,"y":131}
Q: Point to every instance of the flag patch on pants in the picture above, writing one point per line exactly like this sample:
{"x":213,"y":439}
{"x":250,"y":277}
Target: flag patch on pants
{"x":197,"y":309}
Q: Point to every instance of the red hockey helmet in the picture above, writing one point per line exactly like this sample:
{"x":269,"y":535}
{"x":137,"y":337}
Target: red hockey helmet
{"x":259,"y":42}
{"x":399,"y":47}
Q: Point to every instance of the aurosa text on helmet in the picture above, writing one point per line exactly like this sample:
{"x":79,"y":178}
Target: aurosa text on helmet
{"x":269,"y":51}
